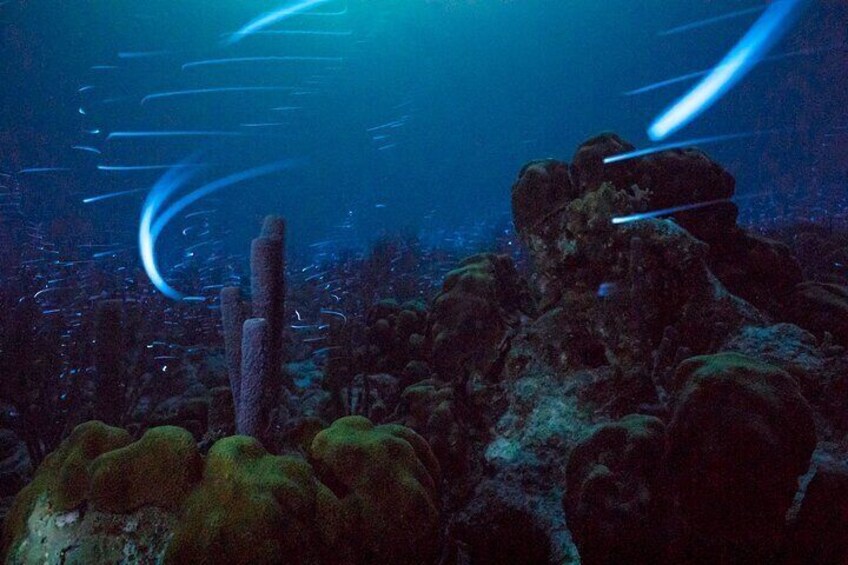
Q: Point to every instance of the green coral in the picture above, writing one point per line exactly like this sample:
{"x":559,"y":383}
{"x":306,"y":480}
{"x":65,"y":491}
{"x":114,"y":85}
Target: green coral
{"x":254,"y":508}
{"x":64,"y":476}
{"x":472,"y":313}
{"x":744,"y":371}
{"x":740,"y":436}
{"x":370,"y":495}
{"x":433,"y":414}
{"x":385,"y":477}
{"x":159,"y":470}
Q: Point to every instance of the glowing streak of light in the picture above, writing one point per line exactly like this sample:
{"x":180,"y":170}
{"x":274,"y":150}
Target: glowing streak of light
{"x":283,"y":13}
{"x":230,"y":89}
{"x":87,"y":149}
{"x":271,"y":59}
{"x":341,"y":12}
{"x":697,"y":74}
{"x":265,"y":125}
{"x":666,"y":211}
{"x":133,"y":168}
{"x":170,"y":182}
{"x":93,"y":199}
{"x":154,"y":220}
{"x":149,"y":134}
{"x":664,"y":83}
{"x":682,"y":144}
{"x":141,"y":54}
{"x":713,"y":20}
{"x":676,"y":209}
{"x":36,"y":170}
{"x":112,"y":253}
{"x":767,"y":31}
{"x":305,"y":32}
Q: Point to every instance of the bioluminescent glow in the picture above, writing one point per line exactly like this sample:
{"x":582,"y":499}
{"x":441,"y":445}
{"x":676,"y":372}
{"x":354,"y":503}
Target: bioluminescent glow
{"x":714,"y":20}
{"x":177,"y":207}
{"x":341,"y":12}
{"x":199,"y":213}
{"x":667,"y":82}
{"x":682,"y":208}
{"x":697,"y":74}
{"x":112,"y":253}
{"x":104,"y":68}
{"x":87,"y":149}
{"x":154,"y":220}
{"x":287,"y":11}
{"x":271,"y":59}
{"x":200,"y":91}
{"x":170,"y":182}
{"x":315,"y":32}
{"x":133,"y":168}
{"x":85,"y":88}
{"x":767,"y":31}
{"x":265,"y":125}
{"x":667,"y":211}
{"x":157,"y":134}
{"x":681,"y":144}
{"x":37,"y":170}
{"x":111,"y":195}
{"x":142,"y":54}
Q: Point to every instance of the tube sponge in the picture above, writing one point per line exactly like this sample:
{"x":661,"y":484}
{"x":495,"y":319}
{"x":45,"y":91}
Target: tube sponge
{"x":233,"y":315}
{"x":252,"y":409}
{"x":267,"y":280}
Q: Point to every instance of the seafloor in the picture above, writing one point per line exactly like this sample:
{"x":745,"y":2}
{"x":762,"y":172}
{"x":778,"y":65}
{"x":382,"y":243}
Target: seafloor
{"x":663,"y":391}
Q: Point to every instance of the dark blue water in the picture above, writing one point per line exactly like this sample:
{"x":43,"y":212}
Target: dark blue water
{"x":403,"y":116}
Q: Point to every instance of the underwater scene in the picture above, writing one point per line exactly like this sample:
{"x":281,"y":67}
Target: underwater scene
{"x":448,"y":282}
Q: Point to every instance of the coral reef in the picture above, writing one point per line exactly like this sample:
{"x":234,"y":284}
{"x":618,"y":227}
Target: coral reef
{"x":386,"y":480}
{"x":472,"y":318}
{"x":715,"y":485}
{"x":611,"y":491}
{"x":365,"y":493}
{"x":252,"y":507}
{"x":740,"y":437}
{"x":666,"y":390}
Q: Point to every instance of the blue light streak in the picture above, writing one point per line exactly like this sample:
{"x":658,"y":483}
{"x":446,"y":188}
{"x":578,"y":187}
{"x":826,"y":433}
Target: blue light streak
{"x":744,"y":56}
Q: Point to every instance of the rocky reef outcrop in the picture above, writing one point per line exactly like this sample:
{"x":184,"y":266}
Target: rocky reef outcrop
{"x":635,"y":388}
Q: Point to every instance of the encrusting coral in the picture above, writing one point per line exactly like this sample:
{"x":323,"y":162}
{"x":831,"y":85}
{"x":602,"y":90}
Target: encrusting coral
{"x":364,"y":493}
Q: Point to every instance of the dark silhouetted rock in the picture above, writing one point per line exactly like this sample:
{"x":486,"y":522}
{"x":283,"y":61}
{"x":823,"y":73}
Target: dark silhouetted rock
{"x":740,"y":437}
{"x":821,"y":308}
{"x":542,"y":187}
{"x":471,"y":316}
{"x":588,"y":169}
{"x":819,"y":533}
{"x":760,"y":270}
{"x":609,"y":500}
